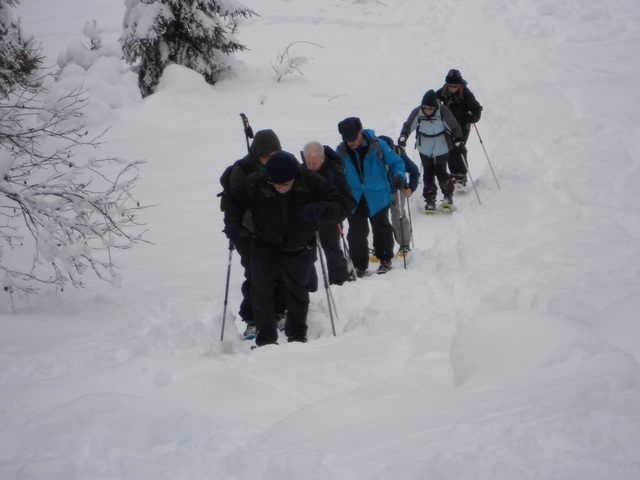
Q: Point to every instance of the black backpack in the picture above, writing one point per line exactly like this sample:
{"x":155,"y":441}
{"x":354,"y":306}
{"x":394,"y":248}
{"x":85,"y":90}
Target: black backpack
{"x":225,"y":181}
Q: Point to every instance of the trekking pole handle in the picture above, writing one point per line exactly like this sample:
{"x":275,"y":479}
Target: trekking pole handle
{"x":248,"y":131}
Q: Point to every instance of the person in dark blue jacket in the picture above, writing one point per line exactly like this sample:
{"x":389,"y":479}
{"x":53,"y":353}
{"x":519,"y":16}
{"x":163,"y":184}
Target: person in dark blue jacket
{"x":323,"y":160}
{"x":399,"y":221}
{"x":370,"y":167}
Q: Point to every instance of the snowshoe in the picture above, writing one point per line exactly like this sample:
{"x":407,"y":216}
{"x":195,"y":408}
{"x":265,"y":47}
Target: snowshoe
{"x":250,"y":332}
{"x":385,"y":266}
{"x":430,"y":208}
{"x":447,"y":205}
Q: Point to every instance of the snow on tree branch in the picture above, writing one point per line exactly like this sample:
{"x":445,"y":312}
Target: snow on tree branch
{"x":197,"y":34}
{"x":288,"y":62}
{"x":69,"y":209}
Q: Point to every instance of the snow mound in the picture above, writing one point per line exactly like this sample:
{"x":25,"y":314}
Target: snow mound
{"x":504,"y":345}
{"x":178,"y":80}
{"x":618,"y":324}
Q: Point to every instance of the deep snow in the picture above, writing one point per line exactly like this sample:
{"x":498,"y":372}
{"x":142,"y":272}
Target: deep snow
{"x":509,"y":347}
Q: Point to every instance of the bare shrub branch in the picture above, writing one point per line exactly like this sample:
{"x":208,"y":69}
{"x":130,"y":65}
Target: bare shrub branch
{"x":62,"y":211}
{"x":288,"y":62}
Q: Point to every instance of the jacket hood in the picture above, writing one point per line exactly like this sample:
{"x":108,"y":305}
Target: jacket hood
{"x":265,"y":142}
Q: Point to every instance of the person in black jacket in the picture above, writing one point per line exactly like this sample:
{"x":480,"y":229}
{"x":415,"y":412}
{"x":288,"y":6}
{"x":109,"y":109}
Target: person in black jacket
{"x":265,"y":143}
{"x":323,"y":160}
{"x":455,"y":94}
{"x":286,"y":204}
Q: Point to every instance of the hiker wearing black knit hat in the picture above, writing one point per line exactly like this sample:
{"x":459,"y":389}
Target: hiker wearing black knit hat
{"x":455,"y":94}
{"x":264,"y":145}
{"x":437,"y":131}
{"x":286,"y":204}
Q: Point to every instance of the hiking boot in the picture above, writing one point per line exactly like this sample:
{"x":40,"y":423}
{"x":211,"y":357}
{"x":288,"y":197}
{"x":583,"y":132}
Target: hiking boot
{"x":430,"y":206}
{"x":447,"y":200}
{"x":300,"y":338}
{"x":385,"y":266}
{"x":352,"y":276}
{"x":361,"y":272}
{"x":460,"y":179}
{"x":403,"y":251}
{"x":262,"y":343}
{"x":250,"y":332}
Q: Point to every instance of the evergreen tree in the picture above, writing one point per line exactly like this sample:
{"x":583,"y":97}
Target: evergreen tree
{"x":19,"y":58}
{"x":198,"y":34}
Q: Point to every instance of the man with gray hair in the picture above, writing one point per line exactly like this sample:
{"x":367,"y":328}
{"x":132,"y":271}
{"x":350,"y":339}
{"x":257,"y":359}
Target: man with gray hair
{"x":324,"y":161}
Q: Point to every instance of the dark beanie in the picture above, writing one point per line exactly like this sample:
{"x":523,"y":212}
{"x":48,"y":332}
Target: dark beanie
{"x":454,"y":76}
{"x":281,"y":167}
{"x":349,"y":128}
{"x":430,"y":99}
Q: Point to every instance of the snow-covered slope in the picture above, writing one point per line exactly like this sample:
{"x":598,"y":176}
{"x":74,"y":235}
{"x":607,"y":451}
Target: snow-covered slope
{"x":507,"y":349}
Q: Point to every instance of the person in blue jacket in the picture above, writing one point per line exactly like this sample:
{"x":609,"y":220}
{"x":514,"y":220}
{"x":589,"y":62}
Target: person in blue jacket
{"x":399,"y":221}
{"x":371,"y":168}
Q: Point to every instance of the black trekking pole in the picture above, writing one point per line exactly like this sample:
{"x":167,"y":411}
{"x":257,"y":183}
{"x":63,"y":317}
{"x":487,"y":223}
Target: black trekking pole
{"x":326,"y":283}
{"x":413,"y":245}
{"x":466,"y":164}
{"x":350,"y":265}
{"x":226,"y":291}
{"x":486,"y":155}
{"x":402,"y":220}
{"x":248,"y":131}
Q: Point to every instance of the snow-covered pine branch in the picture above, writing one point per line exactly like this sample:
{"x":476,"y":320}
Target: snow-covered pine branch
{"x":197,"y":34}
{"x":19,"y":57}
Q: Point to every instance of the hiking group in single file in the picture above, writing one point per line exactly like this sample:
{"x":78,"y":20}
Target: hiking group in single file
{"x":278,"y":212}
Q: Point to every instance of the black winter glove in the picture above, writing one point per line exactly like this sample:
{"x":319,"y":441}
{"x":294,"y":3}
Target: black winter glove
{"x":460,"y":147}
{"x":312,"y":212}
{"x":402,"y":141}
{"x":398,"y":183}
{"x":232,"y":231}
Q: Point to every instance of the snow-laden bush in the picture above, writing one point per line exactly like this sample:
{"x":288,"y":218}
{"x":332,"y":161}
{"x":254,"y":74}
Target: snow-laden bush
{"x":68,"y":208}
{"x":63,"y":209}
